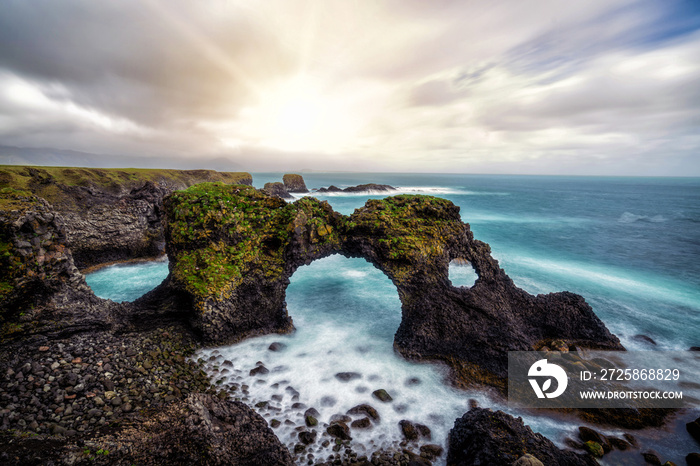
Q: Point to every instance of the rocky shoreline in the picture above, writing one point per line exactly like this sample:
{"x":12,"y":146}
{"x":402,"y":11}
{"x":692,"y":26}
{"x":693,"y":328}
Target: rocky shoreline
{"x":89,"y":381}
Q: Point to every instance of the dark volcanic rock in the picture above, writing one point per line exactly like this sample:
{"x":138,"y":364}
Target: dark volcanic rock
{"x":277,"y":189}
{"x":370,"y":187}
{"x":347,"y":376}
{"x":204,"y":430}
{"x":110,"y":214}
{"x":366,"y":410}
{"x":382,"y":395}
{"x":362,"y":188}
{"x":412,"y":239}
{"x":482,"y":436}
{"x":41,"y":290}
{"x":339,"y":430}
{"x":294,"y":183}
{"x":693,"y":459}
{"x":694,"y":429}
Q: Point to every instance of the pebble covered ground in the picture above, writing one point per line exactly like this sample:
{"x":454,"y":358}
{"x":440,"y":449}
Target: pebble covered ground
{"x":311,"y":440}
{"x":70,"y":398}
{"x":93,"y":382}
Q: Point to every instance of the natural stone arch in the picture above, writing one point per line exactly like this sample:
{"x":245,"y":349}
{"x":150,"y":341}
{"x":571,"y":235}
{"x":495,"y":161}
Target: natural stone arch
{"x":232,"y":250}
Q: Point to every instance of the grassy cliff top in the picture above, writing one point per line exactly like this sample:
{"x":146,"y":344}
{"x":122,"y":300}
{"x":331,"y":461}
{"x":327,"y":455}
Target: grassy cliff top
{"x":221,"y":233}
{"x":15,"y":199}
{"x":53,"y":183}
{"x":23,"y":177}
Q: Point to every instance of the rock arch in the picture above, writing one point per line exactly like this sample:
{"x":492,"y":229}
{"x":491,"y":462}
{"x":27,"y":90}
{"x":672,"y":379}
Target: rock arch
{"x":232,"y":250}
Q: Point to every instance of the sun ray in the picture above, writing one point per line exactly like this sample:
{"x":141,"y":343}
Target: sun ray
{"x":212,"y":51}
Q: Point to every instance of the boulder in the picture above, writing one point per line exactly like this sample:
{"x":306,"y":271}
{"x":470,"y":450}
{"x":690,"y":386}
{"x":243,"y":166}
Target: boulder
{"x":482,"y":436}
{"x":339,"y":430}
{"x":277,"y":189}
{"x":694,"y":429}
{"x":382,"y":395}
{"x":202,"y":430}
{"x":365,"y":409}
{"x":294,"y":183}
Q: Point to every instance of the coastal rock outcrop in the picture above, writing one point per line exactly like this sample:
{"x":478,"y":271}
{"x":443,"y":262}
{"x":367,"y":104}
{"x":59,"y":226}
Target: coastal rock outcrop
{"x":362,"y":188}
{"x":277,"y":189}
{"x":232,"y":250}
{"x":482,"y":436}
{"x":39,"y":283}
{"x":294,"y":183}
{"x":202,"y":429}
{"x":110,"y":214}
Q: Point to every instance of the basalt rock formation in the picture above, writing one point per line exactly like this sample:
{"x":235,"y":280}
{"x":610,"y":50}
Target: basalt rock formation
{"x":232,"y":250}
{"x":294,"y":183}
{"x":202,"y":429}
{"x":109,"y":214}
{"x":40,"y":286}
{"x":482,"y":436}
{"x":277,"y":189}
{"x":361,"y":188}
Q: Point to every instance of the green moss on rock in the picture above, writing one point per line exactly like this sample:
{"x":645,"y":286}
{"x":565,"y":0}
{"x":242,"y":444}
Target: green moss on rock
{"x":220,"y":233}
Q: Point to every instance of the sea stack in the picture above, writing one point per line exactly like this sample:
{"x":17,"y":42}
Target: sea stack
{"x":294,"y":183}
{"x":277,"y":189}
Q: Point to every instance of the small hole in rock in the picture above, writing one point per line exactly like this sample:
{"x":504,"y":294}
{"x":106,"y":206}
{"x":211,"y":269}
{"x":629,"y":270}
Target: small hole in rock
{"x":462,"y":273}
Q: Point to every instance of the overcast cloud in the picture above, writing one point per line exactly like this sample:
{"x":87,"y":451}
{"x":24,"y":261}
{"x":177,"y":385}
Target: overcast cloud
{"x":520,"y":86}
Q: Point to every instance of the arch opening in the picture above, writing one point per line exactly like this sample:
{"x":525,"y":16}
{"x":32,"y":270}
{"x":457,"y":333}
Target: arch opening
{"x":346,"y":312}
{"x":127,"y":282}
{"x":462,"y":273}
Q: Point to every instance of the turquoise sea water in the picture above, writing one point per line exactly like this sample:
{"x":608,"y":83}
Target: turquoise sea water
{"x":630,"y":246}
{"x":126,"y":282}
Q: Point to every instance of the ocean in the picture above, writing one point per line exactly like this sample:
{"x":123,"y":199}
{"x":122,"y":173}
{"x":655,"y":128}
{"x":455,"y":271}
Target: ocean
{"x":630,"y":246}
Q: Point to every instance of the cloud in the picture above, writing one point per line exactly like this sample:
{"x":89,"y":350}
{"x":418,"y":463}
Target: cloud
{"x":512,"y":86}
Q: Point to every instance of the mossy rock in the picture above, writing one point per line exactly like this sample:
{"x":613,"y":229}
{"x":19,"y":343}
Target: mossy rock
{"x":594,"y":448}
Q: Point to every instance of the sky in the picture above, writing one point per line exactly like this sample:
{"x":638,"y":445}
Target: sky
{"x":595,"y":87}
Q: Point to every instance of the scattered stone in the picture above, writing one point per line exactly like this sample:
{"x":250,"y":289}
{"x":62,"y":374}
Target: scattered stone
{"x":694,"y":348}
{"x":431,"y":451}
{"x":618,"y":443}
{"x":347,"y":376}
{"x":339,"y":430}
{"x":645,"y":339}
{"x":275,"y":423}
{"x":528,"y":460}
{"x":631,"y":439}
{"x":276,"y":346}
{"x":340,"y":418}
{"x":259,"y":370}
{"x":328,"y":401}
{"x":382,"y":395}
{"x":651,"y":457}
{"x":413,"y":381}
{"x":363,"y":423}
{"x":586,"y":434}
{"x":594,"y":448}
{"x":307,"y":437}
{"x":694,"y":429}
{"x":693,"y":459}
{"x":424,"y":431}
{"x":43,"y":348}
{"x":365,"y":409}
{"x":408,"y":430}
